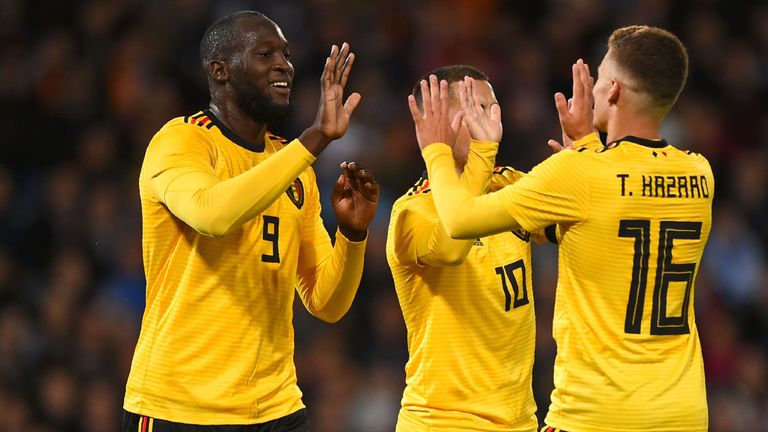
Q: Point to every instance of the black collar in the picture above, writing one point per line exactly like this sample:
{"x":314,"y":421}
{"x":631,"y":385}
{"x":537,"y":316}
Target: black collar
{"x":235,"y":138}
{"x":643,"y":141}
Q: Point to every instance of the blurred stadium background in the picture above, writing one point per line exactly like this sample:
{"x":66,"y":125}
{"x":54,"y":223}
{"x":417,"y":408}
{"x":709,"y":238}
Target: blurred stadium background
{"x":84,"y":85}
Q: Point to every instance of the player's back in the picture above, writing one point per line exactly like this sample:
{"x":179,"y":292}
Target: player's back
{"x":628,"y":349}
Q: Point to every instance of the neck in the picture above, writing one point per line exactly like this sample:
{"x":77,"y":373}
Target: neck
{"x":238,"y":122}
{"x":632,"y":124}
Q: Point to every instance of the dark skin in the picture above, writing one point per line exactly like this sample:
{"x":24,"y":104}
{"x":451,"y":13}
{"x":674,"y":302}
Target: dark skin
{"x":262,"y":61}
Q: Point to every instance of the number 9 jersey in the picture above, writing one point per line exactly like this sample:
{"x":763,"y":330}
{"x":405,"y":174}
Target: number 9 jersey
{"x":216,"y":343}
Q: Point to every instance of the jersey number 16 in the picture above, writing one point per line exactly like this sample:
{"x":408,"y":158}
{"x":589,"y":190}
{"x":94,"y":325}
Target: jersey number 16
{"x":666,"y":273}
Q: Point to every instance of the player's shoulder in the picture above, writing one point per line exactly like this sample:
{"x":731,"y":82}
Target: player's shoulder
{"x":415,"y":195}
{"x":571,"y":159}
{"x":504,"y":176}
{"x":185,"y":132}
{"x":697,"y":157}
{"x":198,"y":124}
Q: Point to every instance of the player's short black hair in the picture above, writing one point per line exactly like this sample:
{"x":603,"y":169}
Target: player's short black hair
{"x":220,"y":40}
{"x":452,"y":74}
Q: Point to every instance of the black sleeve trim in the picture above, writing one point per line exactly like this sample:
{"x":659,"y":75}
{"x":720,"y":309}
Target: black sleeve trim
{"x":551,"y":233}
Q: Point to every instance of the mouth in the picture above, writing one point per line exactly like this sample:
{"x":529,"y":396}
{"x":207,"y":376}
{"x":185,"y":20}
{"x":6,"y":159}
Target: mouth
{"x":281,"y":86}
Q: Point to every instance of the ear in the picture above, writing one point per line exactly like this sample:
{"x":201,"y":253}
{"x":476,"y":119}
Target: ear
{"x":218,"y":70}
{"x":614,"y":92}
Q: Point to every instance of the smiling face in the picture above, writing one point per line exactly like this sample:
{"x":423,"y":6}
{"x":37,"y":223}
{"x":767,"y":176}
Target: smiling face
{"x":261,"y":73}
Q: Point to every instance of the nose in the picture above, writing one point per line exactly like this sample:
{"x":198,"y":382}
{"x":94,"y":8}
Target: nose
{"x":282,"y":63}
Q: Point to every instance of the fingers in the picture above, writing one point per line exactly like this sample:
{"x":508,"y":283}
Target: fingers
{"x":426,"y":100}
{"x":330,"y":64}
{"x":475,"y":101}
{"x":457,"y":120}
{"x":346,"y":69}
{"x":359,"y":179}
{"x":588,"y":83}
{"x":434,"y":93}
{"x":555,"y":146}
{"x":338,"y":64}
{"x":338,"y":61}
{"x":463,"y":98}
{"x":496,"y":113}
{"x":578,"y":86}
{"x":352,"y":102}
{"x":562,"y":106}
{"x":341,"y":62}
{"x":339,"y":186}
{"x":471,"y":94}
{"x":443,"y":99}
{"x":415,"y":113}
{"x":327,"y":76}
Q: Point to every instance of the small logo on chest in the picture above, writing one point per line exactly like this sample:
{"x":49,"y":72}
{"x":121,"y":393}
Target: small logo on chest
{"x":296,"y":193}
{"x":477,"y":242}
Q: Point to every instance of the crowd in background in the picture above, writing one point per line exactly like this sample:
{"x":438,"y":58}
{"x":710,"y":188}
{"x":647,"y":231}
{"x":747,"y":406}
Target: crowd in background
{"x":84,"y":84}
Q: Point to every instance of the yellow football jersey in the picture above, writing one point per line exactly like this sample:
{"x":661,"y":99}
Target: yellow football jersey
{"x":229,"y":231}
{"x":468,"y":308}
{"x":633,"y":219}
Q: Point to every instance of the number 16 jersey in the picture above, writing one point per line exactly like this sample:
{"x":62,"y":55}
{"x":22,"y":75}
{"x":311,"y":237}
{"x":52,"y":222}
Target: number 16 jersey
{"x":633,"y":219}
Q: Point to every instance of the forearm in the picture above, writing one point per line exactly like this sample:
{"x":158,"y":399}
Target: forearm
{"x":462,"y":215}
{"x":478,"y":170}
{"x":329,"y":291}
{"x":435,"y":247}
{"x":215,"y":207}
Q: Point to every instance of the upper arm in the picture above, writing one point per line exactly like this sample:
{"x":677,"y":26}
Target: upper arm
{"x":178,"y":152}
{"x":420,"y":239}
{"x":555,"y":191}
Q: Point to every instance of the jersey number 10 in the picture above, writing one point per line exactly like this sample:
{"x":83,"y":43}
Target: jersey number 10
{"x":507,"y":272}
{"x":666,"y":272}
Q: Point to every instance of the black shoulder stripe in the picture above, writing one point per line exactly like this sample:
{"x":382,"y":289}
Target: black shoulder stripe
{"x":582,"y":149}
{"x":198,"y":115}
{"x":522,"y":235}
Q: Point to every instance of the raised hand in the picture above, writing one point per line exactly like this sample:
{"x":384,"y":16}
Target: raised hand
{"x":332,"y":118}
{"x":433,"y":124}
{"x":567,"y":141}
{"x":483,"y":124}
{"x":354,"y":198}
{"x":576,"y":114}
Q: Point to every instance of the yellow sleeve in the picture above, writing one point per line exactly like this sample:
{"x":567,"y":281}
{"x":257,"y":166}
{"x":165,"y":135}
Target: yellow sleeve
{"x":420,"y":238}
{"x":505,"y":176}
{"x":554,"y":191}
{"x":328,"y":276}
{"x":479,"y":167}
{"x":179,"y":165}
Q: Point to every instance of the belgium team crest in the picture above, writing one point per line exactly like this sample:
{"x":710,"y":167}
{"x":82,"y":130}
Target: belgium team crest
{"x":296,"y":193}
